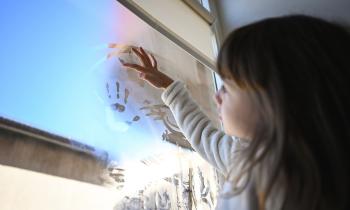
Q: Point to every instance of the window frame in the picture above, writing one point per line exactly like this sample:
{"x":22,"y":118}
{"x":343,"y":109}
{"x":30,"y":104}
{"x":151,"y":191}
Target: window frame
{"x":203,"y":12}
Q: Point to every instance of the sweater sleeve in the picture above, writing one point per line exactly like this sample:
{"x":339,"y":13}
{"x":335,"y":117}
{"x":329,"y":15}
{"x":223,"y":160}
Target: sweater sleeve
{"x":211,"y":143}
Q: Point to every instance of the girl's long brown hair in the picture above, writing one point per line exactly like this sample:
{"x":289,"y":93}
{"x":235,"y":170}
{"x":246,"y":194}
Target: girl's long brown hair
{"x":299,"y":67}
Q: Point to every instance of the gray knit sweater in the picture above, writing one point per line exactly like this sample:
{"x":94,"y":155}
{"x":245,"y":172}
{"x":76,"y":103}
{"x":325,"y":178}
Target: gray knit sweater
{"x":211,"y":143}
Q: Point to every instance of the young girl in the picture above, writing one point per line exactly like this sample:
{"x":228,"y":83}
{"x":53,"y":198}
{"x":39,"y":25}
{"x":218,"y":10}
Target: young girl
{"x":285,"y":111}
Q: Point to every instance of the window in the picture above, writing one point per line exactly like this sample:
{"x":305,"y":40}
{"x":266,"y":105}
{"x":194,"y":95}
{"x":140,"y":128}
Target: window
{"x":62,"y":75}
{"x":202,"y":8}
{"x":205,"y":4}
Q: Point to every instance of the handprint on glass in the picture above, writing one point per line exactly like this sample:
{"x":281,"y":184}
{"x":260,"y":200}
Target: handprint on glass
{"x":126,"y":91}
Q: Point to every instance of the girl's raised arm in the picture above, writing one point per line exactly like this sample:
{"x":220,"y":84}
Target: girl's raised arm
{"x":211,"y":143}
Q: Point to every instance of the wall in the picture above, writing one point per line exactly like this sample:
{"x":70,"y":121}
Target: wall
{"x":235,"y":13}
{"x":27,"y":190}
{"x":26,"y":152}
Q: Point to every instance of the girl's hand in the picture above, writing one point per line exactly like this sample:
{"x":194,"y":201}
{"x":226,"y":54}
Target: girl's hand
{"x":148,"y":70}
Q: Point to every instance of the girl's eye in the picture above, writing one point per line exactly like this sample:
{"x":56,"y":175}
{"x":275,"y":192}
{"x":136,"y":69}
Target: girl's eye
{"x":223,"y":88}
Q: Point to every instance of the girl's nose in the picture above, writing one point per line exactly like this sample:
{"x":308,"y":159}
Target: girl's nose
{"x":217,"y":99}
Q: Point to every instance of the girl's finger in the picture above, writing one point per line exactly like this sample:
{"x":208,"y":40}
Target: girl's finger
{"x":145,"y":55}
{"x":136,"y":67}
{"x":142,"y":58}
{"x":154,"y":61}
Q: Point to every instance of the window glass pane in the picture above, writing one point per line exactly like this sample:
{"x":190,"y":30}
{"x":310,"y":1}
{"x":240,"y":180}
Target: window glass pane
{"x":60,"y":72}
{"x":206,"y":4}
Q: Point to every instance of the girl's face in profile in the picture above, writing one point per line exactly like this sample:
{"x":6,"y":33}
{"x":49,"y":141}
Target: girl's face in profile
{"x":235,"y":110}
